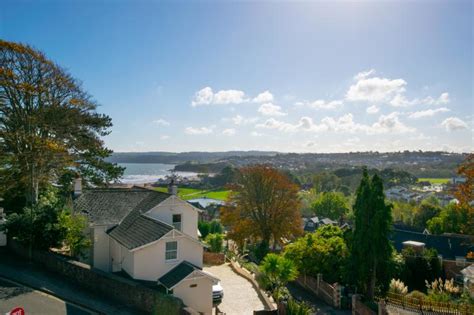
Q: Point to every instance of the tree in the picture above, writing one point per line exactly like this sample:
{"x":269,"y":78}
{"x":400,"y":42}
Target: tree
{"x":425,"y":212}
{"x":37,"y":226}
{"x":323,"y":251}
{"x":420,"y":267}
{"x":73,"y":226}
{"x":49,"y":126}
{"x":464,"y":193}
{"x":215,"y":242}
{"x":330,"y":205}
{"x":371,"y":248}
{"x":264,"y":205}
{"x":278,"y":270}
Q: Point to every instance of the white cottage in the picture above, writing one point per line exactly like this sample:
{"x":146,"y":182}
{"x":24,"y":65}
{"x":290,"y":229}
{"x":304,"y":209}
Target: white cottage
{"x":150,"y":236}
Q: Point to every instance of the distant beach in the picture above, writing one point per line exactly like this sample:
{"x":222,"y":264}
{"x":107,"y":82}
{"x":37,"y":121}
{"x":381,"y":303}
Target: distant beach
{"x":141,"y":173}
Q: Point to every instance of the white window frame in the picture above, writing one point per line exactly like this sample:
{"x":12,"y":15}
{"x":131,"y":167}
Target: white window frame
{"x":171,"y":251}
{"x":177,"y":226}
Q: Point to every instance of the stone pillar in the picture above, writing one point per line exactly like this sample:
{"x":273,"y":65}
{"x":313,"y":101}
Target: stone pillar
{"x":382,"y":310}
{"x":355,"y":298}
{"x":318,"y":281}
{"x":336,"y":297}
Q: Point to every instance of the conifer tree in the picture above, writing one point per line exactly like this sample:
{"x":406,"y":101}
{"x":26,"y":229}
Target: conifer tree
{"x":371,"y":248}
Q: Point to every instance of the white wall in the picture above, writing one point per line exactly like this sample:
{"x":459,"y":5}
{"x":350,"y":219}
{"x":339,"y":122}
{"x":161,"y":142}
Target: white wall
{"x":174,"y":205}
{"x":199,"y":297}
{"x":101,"y":251}
{"x":149,"y":262}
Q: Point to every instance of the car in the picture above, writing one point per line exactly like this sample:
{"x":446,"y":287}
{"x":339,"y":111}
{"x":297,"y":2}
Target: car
{"x":217,"y":292}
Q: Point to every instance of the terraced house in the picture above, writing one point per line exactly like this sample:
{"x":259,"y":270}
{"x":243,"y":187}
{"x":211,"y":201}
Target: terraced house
{"x":149,"y":236}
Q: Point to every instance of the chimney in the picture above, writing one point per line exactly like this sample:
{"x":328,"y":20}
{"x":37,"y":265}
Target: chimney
{"x":77,"y":187}
{"x":172,"y":188}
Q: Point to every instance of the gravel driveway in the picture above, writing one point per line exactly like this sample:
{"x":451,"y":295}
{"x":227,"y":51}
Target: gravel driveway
{"x":239,"y":295}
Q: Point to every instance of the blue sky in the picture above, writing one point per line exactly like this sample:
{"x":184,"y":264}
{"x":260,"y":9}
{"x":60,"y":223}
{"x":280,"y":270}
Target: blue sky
{"x":326,"y":76}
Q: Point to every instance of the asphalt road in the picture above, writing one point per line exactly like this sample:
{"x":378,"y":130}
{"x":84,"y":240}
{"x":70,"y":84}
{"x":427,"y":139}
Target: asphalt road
{"x":34,"y":302}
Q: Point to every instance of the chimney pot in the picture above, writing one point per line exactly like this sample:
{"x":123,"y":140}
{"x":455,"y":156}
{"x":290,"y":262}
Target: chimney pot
{"x":77,"y":187}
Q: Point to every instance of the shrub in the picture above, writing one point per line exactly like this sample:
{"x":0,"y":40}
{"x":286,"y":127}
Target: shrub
{"x":415,"y":294}
{"x":297,"y":308}
{"x":442,"y":291}
{"x":398,"y":287}
{"x":215,"y":242}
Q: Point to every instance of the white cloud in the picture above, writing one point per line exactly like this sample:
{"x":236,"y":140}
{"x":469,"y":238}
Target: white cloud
{"x":161,"y":122}
{"x":428,"y":113}
{"x":344,"y":124}
{"x":256,"y":134}
{"x":372,"y":109}
{"x":454,"y":123}
{"x":389,"y":124}
{"x":364,"y":74}
{"x":206,"y":96}
{"x":228,"y":132}
{"x":264,"y":97}
{"x":321,"y":104}
{"x":199,"y":130}
{"x":401,"y":101}
{"x":375,"y":89}
{"x":269,"y":109}
{"x":164,"y":137}
{"x":240,"y":120}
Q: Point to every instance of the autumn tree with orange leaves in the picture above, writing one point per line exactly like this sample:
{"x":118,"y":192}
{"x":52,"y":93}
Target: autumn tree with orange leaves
{"x":465,"y":194}
{"x":264,"y":206}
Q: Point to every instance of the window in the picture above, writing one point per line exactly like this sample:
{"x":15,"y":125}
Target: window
{"x":177,"y":221}
{"x":171,"y":250}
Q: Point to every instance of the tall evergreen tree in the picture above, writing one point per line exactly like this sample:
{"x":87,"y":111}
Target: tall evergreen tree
{"x":371,"y":248}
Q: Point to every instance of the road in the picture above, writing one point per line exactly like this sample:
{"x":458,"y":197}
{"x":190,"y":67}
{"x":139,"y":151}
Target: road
{"x":34,"y":302}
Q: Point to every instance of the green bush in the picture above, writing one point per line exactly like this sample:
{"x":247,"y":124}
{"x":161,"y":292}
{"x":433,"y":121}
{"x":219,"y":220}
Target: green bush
{"x":215,"y":242}
{"x":297,"y":308}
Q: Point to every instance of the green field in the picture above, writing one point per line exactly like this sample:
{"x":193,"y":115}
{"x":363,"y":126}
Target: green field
{"x":435,"y":180}
{"x":193,"y":193}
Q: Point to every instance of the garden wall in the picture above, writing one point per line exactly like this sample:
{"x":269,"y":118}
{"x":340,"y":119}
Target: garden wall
{"x":331,"y":294}
{"x":105,"y":284}
{"x":213,"y":258}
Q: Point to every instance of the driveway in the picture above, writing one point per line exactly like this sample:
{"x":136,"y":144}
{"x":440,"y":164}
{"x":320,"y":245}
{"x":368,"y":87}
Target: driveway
{"x":34,"y":302}
{"x":239,"y":295}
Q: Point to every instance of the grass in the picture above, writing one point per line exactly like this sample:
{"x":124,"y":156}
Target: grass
{"x":435,"y":180}
{"x":193,"y":193}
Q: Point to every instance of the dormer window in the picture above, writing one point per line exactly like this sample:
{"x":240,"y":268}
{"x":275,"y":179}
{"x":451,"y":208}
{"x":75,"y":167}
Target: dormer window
{"x":177,"y":221}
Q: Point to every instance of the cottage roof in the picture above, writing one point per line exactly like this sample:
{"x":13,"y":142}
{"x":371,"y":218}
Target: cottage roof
{"x":109,"y":206}
{"x":449,"y":246}
{"x":177,"y":274}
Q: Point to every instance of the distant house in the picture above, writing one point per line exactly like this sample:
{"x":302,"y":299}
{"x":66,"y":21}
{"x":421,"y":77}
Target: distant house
{"x":312,"y":224}
{"x":150,"y":236}
{"x":452,"y":249}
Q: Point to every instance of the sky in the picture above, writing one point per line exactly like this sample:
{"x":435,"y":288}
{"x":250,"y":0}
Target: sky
{"x":320,"y":76}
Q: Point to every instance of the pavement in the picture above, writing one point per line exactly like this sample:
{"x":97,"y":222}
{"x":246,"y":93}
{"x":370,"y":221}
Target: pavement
{"x":34,"y":302}
{"x":32,"y":279}
{"x":240,"y":298}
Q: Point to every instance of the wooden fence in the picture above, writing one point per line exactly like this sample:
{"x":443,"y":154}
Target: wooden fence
{"x":425,"y":306}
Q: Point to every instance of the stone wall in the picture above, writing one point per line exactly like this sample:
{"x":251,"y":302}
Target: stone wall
{"x":104,"y":284}
{"x":213,"y":258}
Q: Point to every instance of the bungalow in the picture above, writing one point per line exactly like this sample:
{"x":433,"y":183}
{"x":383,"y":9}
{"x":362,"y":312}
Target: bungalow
{"x":150,"y":236}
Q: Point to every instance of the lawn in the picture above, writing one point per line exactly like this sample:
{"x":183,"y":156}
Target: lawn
{"x":193,"y":193}
{"x":435,"y":180}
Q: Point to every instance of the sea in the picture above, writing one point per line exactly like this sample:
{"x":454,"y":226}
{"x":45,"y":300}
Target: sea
{"x":141,"y":173}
